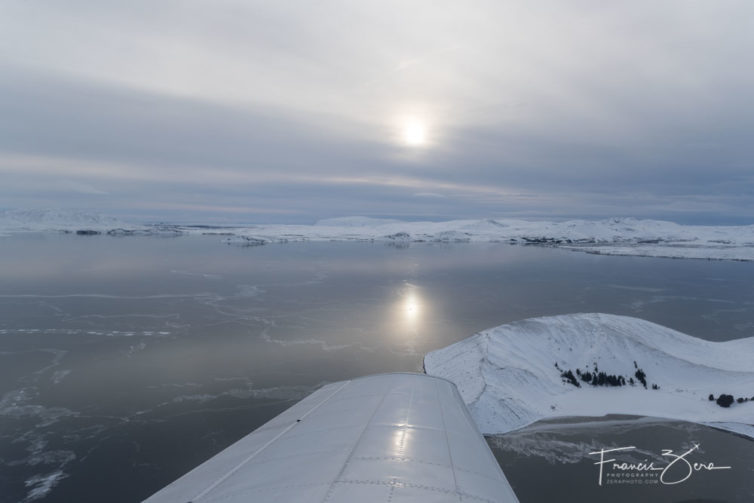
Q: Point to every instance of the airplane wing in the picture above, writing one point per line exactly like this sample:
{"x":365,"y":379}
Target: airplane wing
{"x":382,"y":438}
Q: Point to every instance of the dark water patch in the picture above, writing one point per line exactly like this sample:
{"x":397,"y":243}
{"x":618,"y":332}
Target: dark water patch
{"x":642,"y":459}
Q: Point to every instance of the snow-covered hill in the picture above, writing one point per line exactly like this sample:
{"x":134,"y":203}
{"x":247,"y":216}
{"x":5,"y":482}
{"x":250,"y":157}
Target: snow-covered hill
{"x":58,"y":220}
{"x":615,"y":236}
{"x":508,"y":376}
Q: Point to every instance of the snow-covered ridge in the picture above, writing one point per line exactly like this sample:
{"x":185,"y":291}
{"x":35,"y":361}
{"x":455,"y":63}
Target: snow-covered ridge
{"x":508,"y":376}
{"x":615,"y":236}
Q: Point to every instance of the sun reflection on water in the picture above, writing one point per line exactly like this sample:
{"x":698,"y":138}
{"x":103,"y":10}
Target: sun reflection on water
{"x":412,"y":306}
{"x":409,"y":311}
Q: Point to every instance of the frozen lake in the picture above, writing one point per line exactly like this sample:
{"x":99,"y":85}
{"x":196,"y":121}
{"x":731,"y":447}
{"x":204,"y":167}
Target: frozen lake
{"x":125,"y":362}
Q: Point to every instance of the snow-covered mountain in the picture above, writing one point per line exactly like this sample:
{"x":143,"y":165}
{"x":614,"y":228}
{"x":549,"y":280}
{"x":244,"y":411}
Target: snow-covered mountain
{"x":515,"y":374}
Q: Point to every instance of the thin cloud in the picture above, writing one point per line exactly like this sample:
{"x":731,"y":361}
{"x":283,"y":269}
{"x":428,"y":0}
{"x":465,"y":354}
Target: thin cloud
{"x":295,"y":110}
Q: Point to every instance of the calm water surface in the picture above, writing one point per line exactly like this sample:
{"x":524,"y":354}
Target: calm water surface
{"x":125,"y":362}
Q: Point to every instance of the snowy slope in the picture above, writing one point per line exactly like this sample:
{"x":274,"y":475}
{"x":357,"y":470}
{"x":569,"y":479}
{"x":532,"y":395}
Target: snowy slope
{"x":507,"y":375}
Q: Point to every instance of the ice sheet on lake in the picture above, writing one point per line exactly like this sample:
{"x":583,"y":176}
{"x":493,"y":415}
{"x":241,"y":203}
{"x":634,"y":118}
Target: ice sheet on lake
{"x":508,"y":377}
{"x":40,"y":485}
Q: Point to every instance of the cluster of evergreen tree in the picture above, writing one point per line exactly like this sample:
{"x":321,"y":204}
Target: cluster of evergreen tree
{"x":602,"y":378}
{"x":568,"y":376}
{"x":725,"y":400}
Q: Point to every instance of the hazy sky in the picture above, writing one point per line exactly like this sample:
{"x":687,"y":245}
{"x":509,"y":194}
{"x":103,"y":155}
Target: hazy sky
{"x":283,"y":111}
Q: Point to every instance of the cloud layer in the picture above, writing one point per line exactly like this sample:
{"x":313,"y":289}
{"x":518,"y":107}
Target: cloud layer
{"x":292,"y":111}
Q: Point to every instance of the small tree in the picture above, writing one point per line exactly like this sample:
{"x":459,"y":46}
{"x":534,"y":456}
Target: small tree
{"x":642,"y":377}
{"x":569,"y":377}
{"x":724,"y":400}
{"x":711,"y":397}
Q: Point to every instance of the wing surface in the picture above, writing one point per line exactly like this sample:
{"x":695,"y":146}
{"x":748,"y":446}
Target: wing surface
{"x":383,"y":438}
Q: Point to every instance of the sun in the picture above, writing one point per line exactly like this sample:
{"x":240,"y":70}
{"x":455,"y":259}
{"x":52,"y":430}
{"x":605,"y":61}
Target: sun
{"x":414,"y":133}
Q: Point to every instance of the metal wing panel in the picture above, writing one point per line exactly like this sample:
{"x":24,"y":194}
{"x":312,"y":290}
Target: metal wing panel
{"x":389,"y":437}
